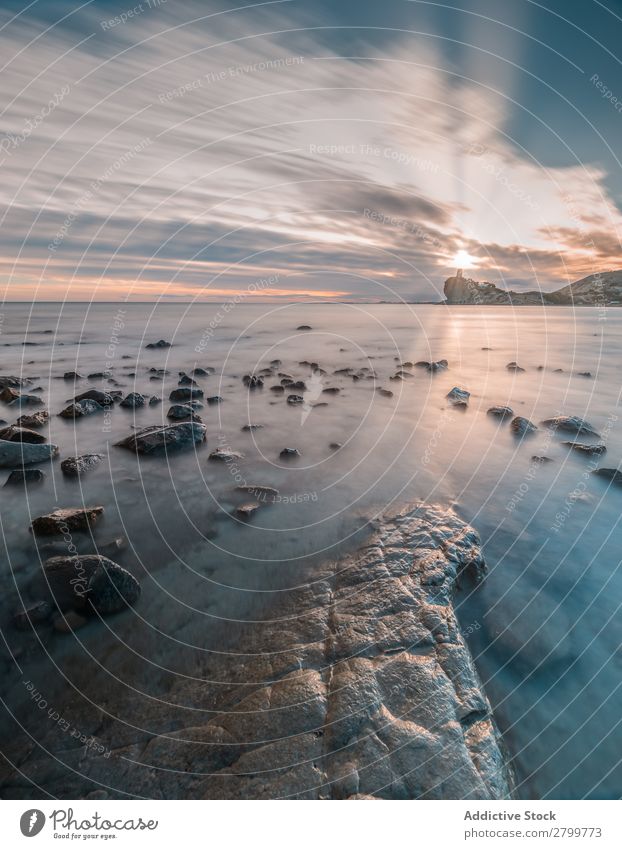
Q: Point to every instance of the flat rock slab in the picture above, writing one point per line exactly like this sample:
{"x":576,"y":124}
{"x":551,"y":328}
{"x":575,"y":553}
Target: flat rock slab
{"x":162,"y":439}
{"x":69,"y":518}
{"x":15,"y":454}
{"x":570,"y":424}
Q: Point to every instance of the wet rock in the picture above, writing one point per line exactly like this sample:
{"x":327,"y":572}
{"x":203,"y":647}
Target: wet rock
{"x":295,"y":399}
{"x":12,"y":382}
{"x":298,"y":385}
{"x":105,"y":399}
{"x":133,"y":401}
{"x":514,"y":367}
{"x":537,"y":458}
{"x":72,"y":375}
{"x":458,"y":397}
{"x":16,"y":454}
{"x":287,"y":381}
{"x":246,"y":511}
{"x":185,"y":393}
{"x":214,"y":399}
{"x":439,"y":365}
{"x":225,"y":455}
{"x":158,"y":440}
{"x":585,"y":448}
{"x":522,"y":426}
{"x":154,"y":400}
{"x":76,"y":466}
{"x":202,"y":372}
{"x":335,"y":446}
{"x":250,"y":427}
{"x":26,"y":401}
{"x":331,"y":390}
{"x":36,"y":614}
{"x":38,"y":419}
{"x":386,"y":393}
{"x":69,"y":518}
{"x":8,"y":394}
{"x":584,"y":373}
{"x":183,"y":412}
{"x":613,"y":475}
{"x":158,"y":372}
{"x":186,"y":380}
{"x":252,"y":381}
{"x":22,"y":434}
{"x":277,"y":389}
{"x":21,"y":477}
{"x":79,"y":409}
{"x":500,"y":412}
{"x":275,"y":363}
{"x":289,"y":453}
{"x":97,"y":583}
{"x":99,"y":375}
{"x":161,"y":343}
{"x":570,"y":424}
{"x":259,"y":491}
{"x":303,"y":327}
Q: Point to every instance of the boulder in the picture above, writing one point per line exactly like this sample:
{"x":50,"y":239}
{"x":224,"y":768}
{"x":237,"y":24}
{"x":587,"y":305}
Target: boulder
{"x":500,"y":412}
{"x":522,"y":426}
{"x":570,"y":424}
{"x":613,"y":475}
{"x":20,"y":477}
{"x":66,"y":519}
{"x":92,"y":582}
{"x":252,"y":381}
{"x":25,"y":401}
{"x":182,"y":412}
{"x":249,"y":427}
{"x":160,"y":439}
{"x":106,"y":399}
{"x":8,"y":394}
{"x":133,"y":401}
{"x":16,"y":454}
{"x":185,"y":393}
{"x":13,"y":433}
{"x":458,"y":397}
{"x":585,"y":448}
{"x":79,"y":409}
{"x":76,"y":466}
{"x":295,"y":399}
{"x":72,"y":375}
{"x":38,"y":419}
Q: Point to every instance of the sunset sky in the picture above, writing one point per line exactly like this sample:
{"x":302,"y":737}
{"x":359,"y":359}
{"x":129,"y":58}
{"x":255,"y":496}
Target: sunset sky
{"x":305,"y":149}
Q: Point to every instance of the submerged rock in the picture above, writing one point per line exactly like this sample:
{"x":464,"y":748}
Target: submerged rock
{"x":72,"y":375}
{"x":250,"y":427}
{"x":161,"y":343}
{"x":304,"y":327}
{"x":19,"y":477}
{"x":226,"y":455}
{"x":76,"y":466}
{"x":458,"y":397}
{"x":537,"y":458}
{"x":514,"y":367}
{"x":15,"y":454}
{"x":134,"y":400}
{"x":161,"y":439}
{"x":613,"y":475}
{"x":439,"y":365}
{"x":500,"y":412}
{"x":92,"y":582}
{"x":522,"y":426}
{"x":295,"y":399}
{"x":38,"y":419}
{"x":25,"y":401}
{"x":68,"y":518}
{"x":105,"y":399}
{"x":182,"y":412}
{"x":279,"y":389}
{"x":252,"y":381}
{"x":13,"y":433}
{"x":79,"y":409}
{"x":289,"y":453}
{"x":386,"y":393}
{"x":585,"y":448}
{"x":214,"y":399}
{"x":570,"y":424}
{"x":185,"y":393}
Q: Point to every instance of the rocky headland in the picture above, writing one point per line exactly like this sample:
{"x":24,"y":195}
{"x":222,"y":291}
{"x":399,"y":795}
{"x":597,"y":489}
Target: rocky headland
{"x":595,"y":290}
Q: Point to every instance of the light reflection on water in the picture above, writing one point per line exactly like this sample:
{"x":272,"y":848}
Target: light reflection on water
{"x":545,"y":625}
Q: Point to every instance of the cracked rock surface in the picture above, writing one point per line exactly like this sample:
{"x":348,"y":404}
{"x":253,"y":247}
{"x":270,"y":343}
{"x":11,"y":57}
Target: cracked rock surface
{"x":359,"y":684}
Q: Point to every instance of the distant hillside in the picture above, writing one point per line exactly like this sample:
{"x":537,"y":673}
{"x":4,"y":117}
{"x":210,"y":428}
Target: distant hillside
{"x":595,"y":290}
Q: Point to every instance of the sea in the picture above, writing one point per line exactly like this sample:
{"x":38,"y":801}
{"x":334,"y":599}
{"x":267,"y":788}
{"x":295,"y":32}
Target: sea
{"x":544,"y":627}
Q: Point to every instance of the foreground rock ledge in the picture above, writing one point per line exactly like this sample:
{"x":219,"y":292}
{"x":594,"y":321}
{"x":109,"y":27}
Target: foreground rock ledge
{"x":370,"y":688}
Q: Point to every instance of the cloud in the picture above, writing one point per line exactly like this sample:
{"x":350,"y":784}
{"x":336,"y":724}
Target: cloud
{"x":194,"y":158}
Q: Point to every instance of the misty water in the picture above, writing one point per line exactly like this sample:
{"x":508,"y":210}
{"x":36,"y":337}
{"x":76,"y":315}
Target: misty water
{"x":544,"y":627}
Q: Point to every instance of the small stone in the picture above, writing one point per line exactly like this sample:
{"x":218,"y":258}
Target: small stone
{"x":161,"y":343}
{"x":303,"y":327}
{"x":249,"y":427}
{"x":226,"y":455}
{"x":214,"y":399}
{"x":570,"y":424}
{"x":386,"y":393}
{"x":289,"y":453}
{"x":245,"y":511}
{"x":252,"y":381}
{"x":522,"y":426}
{"x":458,"y":397}
{"x":185,"y":393}
{"x":76,"y":466}
{"x":613,"y":475}
{"x":500,"y":412}
{"x":72,"y":375}
{"x":539,"y":459}
{"x":22,"y":434}
{"x":335,"y":446}
{"x":295,"y":399}
{"x":38,"y":419}
{"x":584,"y":448}
{"x":70,"y":518}
{"x":514,"y":367}
{"x":277,"y":389}
{"x":133,"y":401}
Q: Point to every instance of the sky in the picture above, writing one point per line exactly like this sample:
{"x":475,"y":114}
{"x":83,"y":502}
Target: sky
{"x":306,"y":150}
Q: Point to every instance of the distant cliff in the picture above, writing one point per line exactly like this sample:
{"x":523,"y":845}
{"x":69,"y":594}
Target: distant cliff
{"x":596,"y":290}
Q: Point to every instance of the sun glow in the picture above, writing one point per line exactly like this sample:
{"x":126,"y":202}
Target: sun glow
{"x":462,"y":259}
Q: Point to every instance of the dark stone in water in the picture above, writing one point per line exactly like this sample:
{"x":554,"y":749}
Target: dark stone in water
{"x":183,"y":412}
{"x":439,"y":365}
{"x":159,"y":439}
{"x":386,"y":393}
{"x":69,"y":518}
{"x":252,"y":381}
{"x":76,"y":466}
{"x":613,"y":475}
{"x":295,"y":399}
{"x":249,"y":427}
{"x":303,"y":327}
{"x":72,"y":375}
{"x":500,"y":412}
{"x":214,"y":399}
{"x":331,"y":390}
{"x":92,"y":582}
{"x":185,"y":393}
{"x":277,"y":389}
{"x":584,"y":448}
{"x":186,"y":380}
{"x":17,"y":454}
{"x":539,"y":459}
{"x":458,"y":397}
{"x":36,"y":614}
{"x":514,"y":367}
{"x":34,"y":419}
{"x":161,"y":343}
{"x":570,"y":424}
{"x":289,"y":453}
{"x":19,"y":477}
{"x":133,"y":401}
{"x":106,"y":399}
{"x":246,"y":511}
{"x":79,"y":409}
{"x":522,"y":426}
{"x":226,"y":455}
{"x":22,"y":434}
